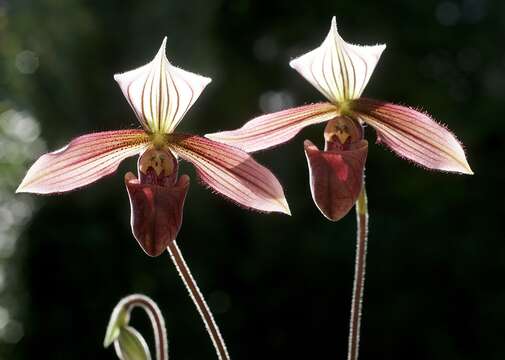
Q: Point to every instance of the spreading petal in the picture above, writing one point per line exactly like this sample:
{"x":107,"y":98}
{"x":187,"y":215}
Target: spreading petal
{"x":336,"y":177}
{"x":232,"y":173}
{"x":273,"y":129}
{"x":156,"y":212}
{"x":159,"y":93}
{"x":413,"y":135}
{"x":83,"y":161}
{"x":339,"y":70}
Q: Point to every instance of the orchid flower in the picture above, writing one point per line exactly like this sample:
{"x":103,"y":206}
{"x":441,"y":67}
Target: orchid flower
{"x":340,"y":71}
{"x":160,"y":94}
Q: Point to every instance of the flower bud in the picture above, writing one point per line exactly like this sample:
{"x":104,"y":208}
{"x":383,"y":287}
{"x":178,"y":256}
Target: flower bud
{"x":131,"y":345}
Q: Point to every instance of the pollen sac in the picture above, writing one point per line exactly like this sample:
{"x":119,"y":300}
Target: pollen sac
{"x":336,"y":174}
{"x":156,"y":200}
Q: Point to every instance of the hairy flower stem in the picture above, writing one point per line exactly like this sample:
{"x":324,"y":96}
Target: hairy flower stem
{"x":359,"y":274}
{"x":199,"y":301}
{"x":157,"y":321}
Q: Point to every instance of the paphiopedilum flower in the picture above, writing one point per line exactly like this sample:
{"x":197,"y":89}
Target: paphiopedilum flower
{"x":160,"y":94}
{"x":340,"y":71}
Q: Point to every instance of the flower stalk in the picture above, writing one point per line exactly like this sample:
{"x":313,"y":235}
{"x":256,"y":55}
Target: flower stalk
{"x":128,"y":342}
{"x":359,"y":274}
{"x":199,"y":301}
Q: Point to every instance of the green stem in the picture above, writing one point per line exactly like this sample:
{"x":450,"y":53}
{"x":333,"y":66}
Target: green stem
{"x":359,"y":274}
{"x":199,"y":301}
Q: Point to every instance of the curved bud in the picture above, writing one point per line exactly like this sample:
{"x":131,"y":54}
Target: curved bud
{"x":131,"y":345}
{"x":128,"y":342}
{"x":336,"y":177}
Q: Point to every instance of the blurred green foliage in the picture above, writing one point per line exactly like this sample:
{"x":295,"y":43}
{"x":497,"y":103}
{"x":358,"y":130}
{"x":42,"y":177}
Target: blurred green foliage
{"x":280,"y":286}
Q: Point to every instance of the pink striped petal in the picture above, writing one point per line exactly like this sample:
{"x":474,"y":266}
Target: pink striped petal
{"x":413,"y":135}
{"x":232,"y":173}
{"x":336,"y":177}
{"x":339,"y":70}
{"x":159,"y":93}
{"x":273,"y":129}
{"x":83,"y":161}
{"x":156,"y":212}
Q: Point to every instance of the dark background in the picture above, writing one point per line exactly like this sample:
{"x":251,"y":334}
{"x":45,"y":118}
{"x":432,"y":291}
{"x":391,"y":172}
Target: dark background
{"x":280,"y":286}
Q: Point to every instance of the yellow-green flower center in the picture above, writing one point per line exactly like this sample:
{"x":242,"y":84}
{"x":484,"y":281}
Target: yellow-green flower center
{"x":158,"y":140}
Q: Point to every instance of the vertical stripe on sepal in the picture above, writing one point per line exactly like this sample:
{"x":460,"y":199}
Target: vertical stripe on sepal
{"x":339,"y":70}
{"x":159,"y":93}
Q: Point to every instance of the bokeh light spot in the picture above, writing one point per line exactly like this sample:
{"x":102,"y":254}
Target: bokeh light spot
{"x":20,"y":125}
{"x":27,"y":62}
{"x":271,"y":101}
